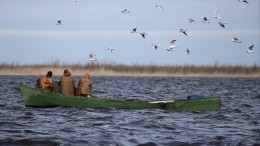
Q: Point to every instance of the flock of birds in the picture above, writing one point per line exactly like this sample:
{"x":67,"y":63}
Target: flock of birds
{"x":172,"y":45}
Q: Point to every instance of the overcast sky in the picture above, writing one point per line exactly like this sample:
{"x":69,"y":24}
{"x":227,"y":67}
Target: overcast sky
{"x":29,"y":32}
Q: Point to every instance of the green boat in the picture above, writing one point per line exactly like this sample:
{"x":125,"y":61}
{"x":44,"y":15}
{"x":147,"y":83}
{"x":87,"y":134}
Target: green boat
{"x":34,"y":97}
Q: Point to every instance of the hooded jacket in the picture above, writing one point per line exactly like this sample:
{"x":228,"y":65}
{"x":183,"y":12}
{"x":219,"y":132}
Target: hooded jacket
{"x":67,"y":85}
{"x":84,"y":85}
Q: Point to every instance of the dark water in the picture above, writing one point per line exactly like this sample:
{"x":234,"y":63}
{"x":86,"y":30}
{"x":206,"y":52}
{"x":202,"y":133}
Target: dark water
{"x":237,"y":123}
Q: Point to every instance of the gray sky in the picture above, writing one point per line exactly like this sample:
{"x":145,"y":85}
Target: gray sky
{"x":29,"y":34}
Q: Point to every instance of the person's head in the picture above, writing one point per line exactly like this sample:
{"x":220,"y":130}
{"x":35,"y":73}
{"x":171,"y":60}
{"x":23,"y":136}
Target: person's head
{"x":49,"y":74}
{"x":87,"y":75}
{"x":66,"y":72}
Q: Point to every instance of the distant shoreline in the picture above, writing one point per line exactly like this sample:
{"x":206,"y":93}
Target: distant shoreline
{"x":133,"y":70}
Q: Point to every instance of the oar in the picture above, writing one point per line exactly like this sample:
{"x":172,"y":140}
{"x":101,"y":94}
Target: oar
{"x":162,"y":101}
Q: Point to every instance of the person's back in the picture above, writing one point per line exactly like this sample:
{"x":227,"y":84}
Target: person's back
{"x":46,"y":82}
{"x":67,"y":83}
{"x":84,"y":86}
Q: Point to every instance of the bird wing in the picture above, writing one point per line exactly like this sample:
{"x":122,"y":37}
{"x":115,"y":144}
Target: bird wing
{"x":250,"y":47}
{"x":160,"y":6}
{"x":216,"y":13}
{"x":173,"y":41}
{"x":222,"y":24}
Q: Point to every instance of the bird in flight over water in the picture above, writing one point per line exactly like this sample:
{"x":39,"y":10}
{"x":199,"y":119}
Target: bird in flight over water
{"x":235,"y":40}
{"x":110,"y":49}
{"x":134,"y":30}
{"x":183,"y":31}
{"x":216,"y":14}
{"x":191,"y":20}
{"x":59,"y":22}
{"x":155,"y":46}
{"x":222,"y":24}
{"x":250,"y":49}
{"x":92,"y":57}
{"x":187,"y":52}
{"x":205,"y":20}
{"x":244,"y":1}
{"x":172,"y":46}
{"x":159,"y":6}
{"x":143,"y":34}
{"x":125,"y":11}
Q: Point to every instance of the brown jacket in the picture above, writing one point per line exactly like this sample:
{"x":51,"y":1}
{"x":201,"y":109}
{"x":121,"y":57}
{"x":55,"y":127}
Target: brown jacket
{"x":67,"y":85}
{"x":85,"y":85}
{"x":46,"y":83}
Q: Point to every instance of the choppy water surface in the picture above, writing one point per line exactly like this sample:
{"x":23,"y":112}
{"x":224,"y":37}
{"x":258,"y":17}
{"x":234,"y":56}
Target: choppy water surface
{"x":237,"y":123}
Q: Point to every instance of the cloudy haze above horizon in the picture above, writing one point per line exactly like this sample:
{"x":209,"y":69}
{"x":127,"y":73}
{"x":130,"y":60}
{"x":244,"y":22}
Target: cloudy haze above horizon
{"x":29,"y":33}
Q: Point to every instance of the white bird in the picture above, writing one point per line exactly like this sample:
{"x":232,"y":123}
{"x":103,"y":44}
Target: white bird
{"x":235,"y":40}
{"x":183,"y":31}
{"x":159,"y":6}
{"x":205,"y":20}
{"x":92,"y":57}
{"x":125,"y":11}
{"x":172,"y":46}
{"x":110,"y":49}
{"x":59,"y":22}
{"x":155,"y":46}
{"x":134,"y":30}
{"x":250,"y":49}
{"x":216,"y":14}
{"x":243,"y":1}
{"x":191,"y":20}
{"x":222,"y":24}
{"x":187,"y":52}
{"x":143,"y":34}
{"x":77,"y":1}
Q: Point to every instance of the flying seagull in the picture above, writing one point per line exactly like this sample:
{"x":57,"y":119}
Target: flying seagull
{"x":187,"y":52}
{"x":155,"y":46}
{"x":92,"y":57}
{"x":143,"y":34}
{"x":205,"y":20}
{"x":191,"y":20}
{"x":216,"y":14}
{"x":125,"y":11}
{"x":222,"y":24}
{"x":250,"y":49}
{"x":59,"y":22}
{"x":110,"y":49}
{"x":243,"y":1}
{"x":235,"y":40}
{"x":159,"y":6}
{"x":172,"y":46}
{"x":183,"y":31}
{"x":134,"y":30}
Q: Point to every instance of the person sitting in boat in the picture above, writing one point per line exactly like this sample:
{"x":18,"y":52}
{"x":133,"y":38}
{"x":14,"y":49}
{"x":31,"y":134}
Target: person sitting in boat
{"x":85,"y":86}
{"x":67,"y":84}
{"x":46,"y":82}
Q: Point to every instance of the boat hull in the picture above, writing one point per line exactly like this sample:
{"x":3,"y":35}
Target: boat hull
{"x":38,"y":98}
